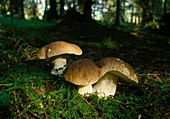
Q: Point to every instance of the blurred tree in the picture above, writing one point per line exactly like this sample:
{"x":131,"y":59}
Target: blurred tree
{"x":137,"y":15}
{"x":3,"y":7}
{"x":21,"y":4}
{"x":80,"y":6}
{"x":87,"y":8}
{"x":134,"y":11}
{"x":164,"y":7}
{"x":45,"y":10}
{"x":53,"y":10}
{"x":124,"y":11}
{"x":74,"y":4}
{"x":35,"y":9}
{"x":118,"y":13}
{"x":17,"y":8}
{"x":62,"y":7}
{"x":11,"y":8}
{"x":147,"y":15}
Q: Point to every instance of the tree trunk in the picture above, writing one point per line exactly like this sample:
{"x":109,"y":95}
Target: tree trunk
{"x":74,"y":4}
{"x":3,"y":9}
{"x":45,"y":10}
{"x":53,"y":10}
{"x":164,"y":6}
{"x":144,"y":16}
{"x":87,"y":8}
{"x":11,"y":8}
{"x":147,"y":17}
{"x":80,"y":6}
{"x":34,"y":10}
{"x":22,"y":8}
{"x":118,"y":15}
{"x":61,"y":7}
{"x":132,"y":14}
{"x":16,"y":7}
{"x":124,"y":12}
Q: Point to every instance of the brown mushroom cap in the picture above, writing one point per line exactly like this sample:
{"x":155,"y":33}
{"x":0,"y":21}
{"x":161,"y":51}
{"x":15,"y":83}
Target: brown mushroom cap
{"x":82,"y":72}
{"x":58,"y":48}
{"x":117,"y":67}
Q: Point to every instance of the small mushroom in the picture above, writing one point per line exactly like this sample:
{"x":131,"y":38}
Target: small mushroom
{"x":83,"y":73}
{"x":57,"y":51}
{"x":111,"y":70}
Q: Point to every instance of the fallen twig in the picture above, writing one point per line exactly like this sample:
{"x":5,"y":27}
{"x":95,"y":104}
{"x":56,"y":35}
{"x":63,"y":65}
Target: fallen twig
{"x":10,"y":75}
{"x":5,"y":84}
{"x":32,"y":113}
{"x":24,"y":115}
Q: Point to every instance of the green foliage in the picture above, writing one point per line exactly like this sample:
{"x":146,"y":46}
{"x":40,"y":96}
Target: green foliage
{"x":109,"y":43}
{"x":153,"y":25}
{"x":3,"y":96}
{"x":24,"y":24}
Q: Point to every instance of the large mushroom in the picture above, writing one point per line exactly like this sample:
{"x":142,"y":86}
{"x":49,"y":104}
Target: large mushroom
{"x":111,"y":70}
{"x":83,"y":73}
{"x":57,"y":51}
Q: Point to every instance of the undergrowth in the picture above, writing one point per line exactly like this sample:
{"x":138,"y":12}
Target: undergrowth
{"x":28,"y":90}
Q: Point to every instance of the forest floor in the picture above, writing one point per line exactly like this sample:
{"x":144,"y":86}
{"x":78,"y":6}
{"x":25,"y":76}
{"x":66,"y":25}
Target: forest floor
{"x":27,"y":89}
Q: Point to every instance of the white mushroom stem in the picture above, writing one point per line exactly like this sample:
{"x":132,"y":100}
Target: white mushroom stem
{"x":83,"y":90}
{"x":58,"y":65}
{"x":106,"y":86}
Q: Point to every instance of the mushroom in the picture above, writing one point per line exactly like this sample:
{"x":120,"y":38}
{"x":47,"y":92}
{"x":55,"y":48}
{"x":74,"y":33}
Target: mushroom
{"x":57,"y":51}
{"x":83,"y":73}
{"x":111,"y":70}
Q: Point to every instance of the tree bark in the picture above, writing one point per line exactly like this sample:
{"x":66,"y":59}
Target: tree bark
{"x":11,"y":8}
{"x":22,"y":8}
{"x":132,"y":14}
{"x":80,"y":6}
{"x":3,"y":9}
{"x":45,"y":10}
{"x":53,"y":10}
{"x":61,"y":7}
{"x":34,"y":10}
{"x":164,"y":6}
{"x":87,"y":8}
{"x":144,"y":16}
{"x":147,"y":15}
{"x":124,"y":12}
{"x":74,"y":4}
{"x":118,"y":15}
{"x":16,"y":7}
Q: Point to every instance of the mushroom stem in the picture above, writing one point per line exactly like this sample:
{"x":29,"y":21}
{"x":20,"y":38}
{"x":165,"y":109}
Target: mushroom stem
{"x":58,"y":64}
{"x":106,"y":85}
{"x":83,"y":90}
